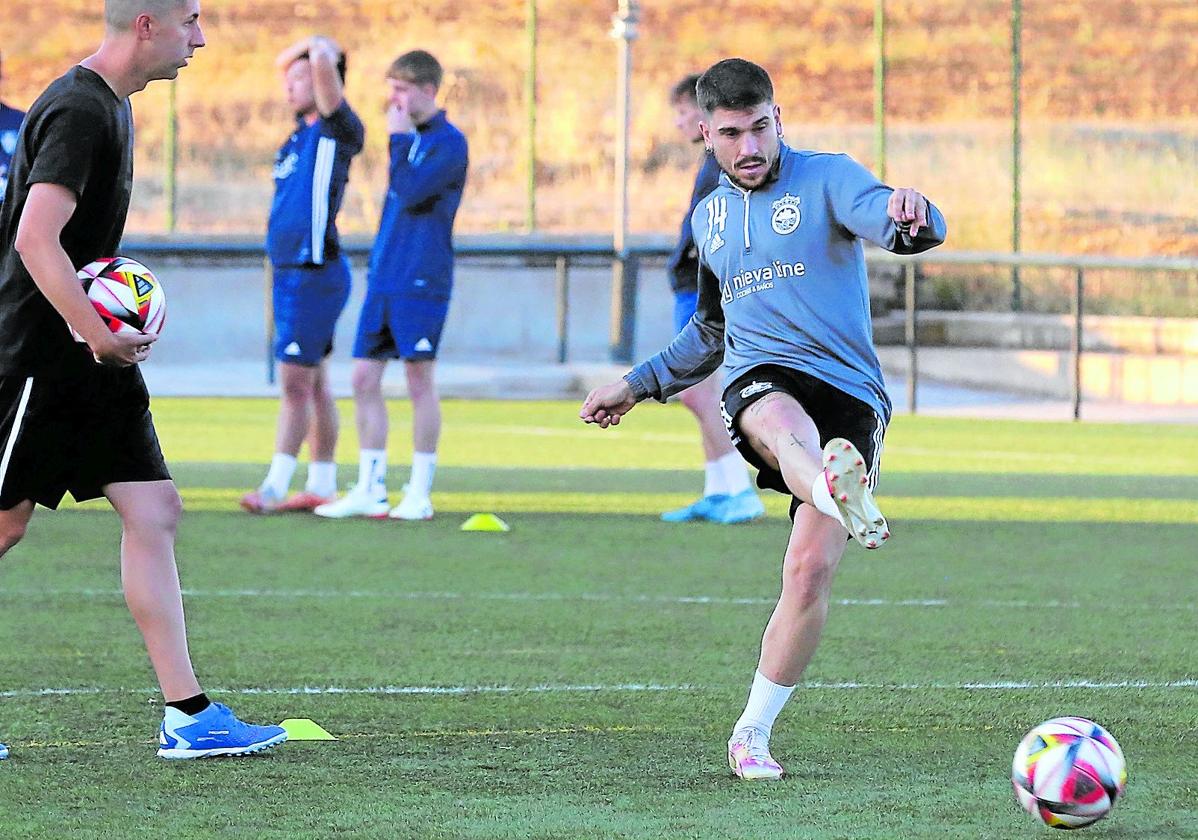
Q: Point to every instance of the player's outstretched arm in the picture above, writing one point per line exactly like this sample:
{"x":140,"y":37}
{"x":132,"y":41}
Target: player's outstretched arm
{"x":607,"y":404}
{"x":900,"y":220}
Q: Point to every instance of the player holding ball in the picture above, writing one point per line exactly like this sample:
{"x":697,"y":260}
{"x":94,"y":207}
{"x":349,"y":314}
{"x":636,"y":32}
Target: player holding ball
{"x":75,"y":417}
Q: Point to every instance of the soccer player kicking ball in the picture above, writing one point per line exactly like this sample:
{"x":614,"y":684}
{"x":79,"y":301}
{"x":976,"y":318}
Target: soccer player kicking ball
{"x":784,"y":302}
{"x":77,"y":418}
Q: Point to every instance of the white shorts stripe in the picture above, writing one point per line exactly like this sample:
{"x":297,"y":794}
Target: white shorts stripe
{"x":16,"y":430}
{"x":874,"y":468}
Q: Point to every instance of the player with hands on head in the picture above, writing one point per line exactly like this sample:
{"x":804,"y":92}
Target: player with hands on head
{"x":784,"y":305}
{"x":311,"y":276}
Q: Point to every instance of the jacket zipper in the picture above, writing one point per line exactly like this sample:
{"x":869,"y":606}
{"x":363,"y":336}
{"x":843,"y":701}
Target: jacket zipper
{"x":745,"y":195}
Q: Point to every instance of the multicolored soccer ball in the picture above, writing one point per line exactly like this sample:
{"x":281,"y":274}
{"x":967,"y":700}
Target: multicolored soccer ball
{"x":126,"y":295}
{"x":1068,"y":772}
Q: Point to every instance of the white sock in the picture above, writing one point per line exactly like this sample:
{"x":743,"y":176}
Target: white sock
{"x":278,"y":477}
{"x":420,"y":482}
{"x":766,"y":700}
{"x":822,"y":497}
{"x":736,"y":477}
{"x":322,"y":478}
{"x":372,"y":472}
{"x":713,"y":479}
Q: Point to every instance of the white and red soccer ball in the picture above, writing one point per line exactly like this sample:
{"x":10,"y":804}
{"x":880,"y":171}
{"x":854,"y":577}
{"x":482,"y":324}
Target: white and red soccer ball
{"x":125,"y":294}
{"x":1068,"y":772}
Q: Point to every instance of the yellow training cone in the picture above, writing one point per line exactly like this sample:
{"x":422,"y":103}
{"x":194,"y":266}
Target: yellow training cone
{"x":485,"y":522}
{"x":302,"y":729}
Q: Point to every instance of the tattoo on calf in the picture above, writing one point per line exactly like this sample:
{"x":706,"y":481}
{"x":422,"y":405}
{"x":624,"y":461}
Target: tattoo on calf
{"x":796,"y":442}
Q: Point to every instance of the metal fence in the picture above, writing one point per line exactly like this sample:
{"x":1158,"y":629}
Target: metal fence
{"x":562,"y":253}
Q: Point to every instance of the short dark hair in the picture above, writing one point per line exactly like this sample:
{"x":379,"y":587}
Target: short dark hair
{"x":418,"y":67}
{"x":685,"y":89}
{"x":734,"y":85}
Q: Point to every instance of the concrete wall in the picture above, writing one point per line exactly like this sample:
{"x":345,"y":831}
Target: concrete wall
{"x":501,"y":311}
{"x":506,"y":312}
{"x":1122,"y":377}
{"x":1029,"y":330}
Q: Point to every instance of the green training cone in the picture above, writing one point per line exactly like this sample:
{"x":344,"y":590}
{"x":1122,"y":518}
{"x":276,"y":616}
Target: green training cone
{"x":302,"y":729}
{"x":485,"y":522}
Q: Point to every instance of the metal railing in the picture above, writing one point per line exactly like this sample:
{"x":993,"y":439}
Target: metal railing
{"x":563,"y":252}
{"x":560,"y":252}
{"x":1079,"y":265}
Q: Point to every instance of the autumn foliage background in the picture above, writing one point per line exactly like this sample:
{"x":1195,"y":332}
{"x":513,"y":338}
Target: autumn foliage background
{"x":1110,"y":107}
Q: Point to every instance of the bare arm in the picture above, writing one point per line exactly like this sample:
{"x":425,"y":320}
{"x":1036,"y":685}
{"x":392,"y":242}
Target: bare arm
{"x":607,"y":404}
{"x":46,"y":212}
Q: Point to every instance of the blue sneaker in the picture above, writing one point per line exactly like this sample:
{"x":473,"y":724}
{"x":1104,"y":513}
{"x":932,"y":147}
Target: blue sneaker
{"x":216,"y":731}
{"x":695,"y":511}
{"x":3,"y":752}
{"x":742,"y":507}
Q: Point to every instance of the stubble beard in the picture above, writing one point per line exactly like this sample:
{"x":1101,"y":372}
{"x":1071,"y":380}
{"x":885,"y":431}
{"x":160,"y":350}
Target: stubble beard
{"x":770,"y":168}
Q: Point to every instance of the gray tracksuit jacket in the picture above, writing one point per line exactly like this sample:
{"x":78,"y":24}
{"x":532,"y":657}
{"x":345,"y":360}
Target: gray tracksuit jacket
{"x":782,"y":280}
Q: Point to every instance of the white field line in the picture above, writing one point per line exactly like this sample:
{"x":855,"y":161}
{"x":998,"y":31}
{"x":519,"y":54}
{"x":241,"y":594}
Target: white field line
{"x":631,"y":434}
{"x":635,"y":688}
{"x":591,"y":596}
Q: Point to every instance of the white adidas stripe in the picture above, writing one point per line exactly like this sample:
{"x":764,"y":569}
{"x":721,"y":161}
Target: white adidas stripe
{"x":15,"y":432}
{"x":322,"y":177}
{"x":877,"y":436}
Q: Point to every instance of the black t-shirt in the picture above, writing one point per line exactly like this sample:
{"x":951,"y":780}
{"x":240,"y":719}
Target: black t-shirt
{"x":80,"y":135}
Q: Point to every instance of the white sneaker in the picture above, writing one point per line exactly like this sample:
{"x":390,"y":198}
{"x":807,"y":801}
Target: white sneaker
{"x":355,"y":503}
{"x":413,"y":508}
{"x":749,"y":756}
{"x":848,"y":482}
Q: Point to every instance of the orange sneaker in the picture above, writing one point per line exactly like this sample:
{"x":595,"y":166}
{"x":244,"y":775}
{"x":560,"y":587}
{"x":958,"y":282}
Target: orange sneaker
{"x":303,"y":502}
{"x":260,"y":501}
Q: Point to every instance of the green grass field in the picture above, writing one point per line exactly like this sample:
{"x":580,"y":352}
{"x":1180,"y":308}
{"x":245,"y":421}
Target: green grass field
{"x":577,"y":677}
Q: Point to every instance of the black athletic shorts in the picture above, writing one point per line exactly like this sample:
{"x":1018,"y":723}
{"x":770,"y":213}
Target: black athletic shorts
{"x":836,"y":414}
{"x":75,"y":433}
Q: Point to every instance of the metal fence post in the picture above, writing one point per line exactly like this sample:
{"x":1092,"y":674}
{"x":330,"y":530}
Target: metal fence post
{"x":623,"y":291}
{"x":1075,"y":349}
{"x":911,"y":327}
{"x":563,"y":308}
{"x":625,"y":275}
{"x":880,"y":89}
{"x":530,"y":96}
{"x":1016,"y":148}
{"x":170,"y":158}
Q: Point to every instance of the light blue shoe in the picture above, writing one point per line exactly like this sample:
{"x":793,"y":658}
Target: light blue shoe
{"x":216,"y":731}
{"x":3,"y":752}
{"x":695,"y":511}
{"x":743,"y":507}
